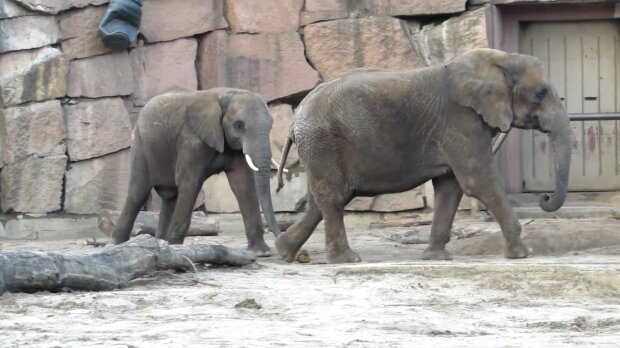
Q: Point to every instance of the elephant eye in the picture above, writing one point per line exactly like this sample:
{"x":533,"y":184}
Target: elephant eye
{"x":541,"y":94}
{"x":238,"y":125}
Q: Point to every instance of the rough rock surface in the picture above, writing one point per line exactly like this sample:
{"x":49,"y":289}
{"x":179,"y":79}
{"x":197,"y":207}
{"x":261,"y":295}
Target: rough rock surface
{"x":96,"y":184}
{"x":101,"y":76}
{"x":80,"y":32}
{"x":33,"y":185}
{"x":96,"y":127}
{"x":263,"y":16}
{"x":219,"y":198}
{"x":55,"y":6}
{"x":282,"y":115}
{"x":457,"y":35}
{"x":263,"y":63}
{"x":27,"y":32}
{"x":10,"y":9}
{"x":165,"y":20}
{"x":405,"y":7}
{"x":34,"y":129}
{"x":33,"y":75}
{"x":378,"y":42}
{"x":159,"y":67}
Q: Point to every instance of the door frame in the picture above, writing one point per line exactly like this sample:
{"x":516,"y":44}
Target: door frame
{"x":503,"y":32}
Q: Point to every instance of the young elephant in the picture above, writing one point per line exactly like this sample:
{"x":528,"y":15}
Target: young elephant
{"x":370,"y":132}
{"x":181,"y":138}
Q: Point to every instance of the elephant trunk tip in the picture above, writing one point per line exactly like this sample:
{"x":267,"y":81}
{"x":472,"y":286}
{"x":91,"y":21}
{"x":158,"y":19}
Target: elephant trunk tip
{"x":550,"y":203}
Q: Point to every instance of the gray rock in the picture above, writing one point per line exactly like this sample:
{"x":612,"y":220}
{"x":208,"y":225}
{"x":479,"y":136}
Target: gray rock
{"x":35,"y":129}
{"x":33,"y":75}
{"x":55,"y":6}
{"x":96,"y":127}
{"x":101,"y":76}
{"x":33,"y":185}
{"x":96,"y":184}
{"x":42,"y":31}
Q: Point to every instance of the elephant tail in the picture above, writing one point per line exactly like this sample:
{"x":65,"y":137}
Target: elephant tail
{"x":290,"y":138}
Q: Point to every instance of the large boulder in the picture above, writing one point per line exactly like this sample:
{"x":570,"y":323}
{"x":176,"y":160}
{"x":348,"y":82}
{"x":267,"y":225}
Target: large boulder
{"x":273,"y":65}
{"x":33,"y":185}
{"x":219,"y":198}
{"x":80,"y":32}
{"x":263,"y":16}
{"x":101,"y":76}
{"x":32,"y":75}
{"x":41,"y":31}
{"x":442,"y":42}
{"x":165,"y":20}
{"x":282,"y":115}
{"x":55,"y":6}
{"x":96,"y":127}
{"x":380,"y":42}
{"x":11,"y":9}
{"x":405,"y":7}
{"x":159,"y":67}
{"x":34,"y":129}
{"x":96,"y":184}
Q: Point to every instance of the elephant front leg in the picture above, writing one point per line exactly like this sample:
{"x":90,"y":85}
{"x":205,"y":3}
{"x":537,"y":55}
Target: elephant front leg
{"x":242,"y":184}
{"x":448,"y":195}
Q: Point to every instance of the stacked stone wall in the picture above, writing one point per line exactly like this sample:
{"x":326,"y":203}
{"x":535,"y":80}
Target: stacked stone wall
{"x":68,"y":103}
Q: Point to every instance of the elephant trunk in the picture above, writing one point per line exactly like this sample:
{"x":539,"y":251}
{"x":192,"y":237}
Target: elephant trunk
{"x":560,"y":137}
{"x":258,"y":156}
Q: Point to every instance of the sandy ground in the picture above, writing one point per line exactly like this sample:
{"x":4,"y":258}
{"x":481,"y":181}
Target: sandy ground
{"x":391,"y":299}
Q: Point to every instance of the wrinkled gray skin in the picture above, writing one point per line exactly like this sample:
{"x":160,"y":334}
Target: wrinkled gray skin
{"x":181,"y":138}
{"x":371,"y":132}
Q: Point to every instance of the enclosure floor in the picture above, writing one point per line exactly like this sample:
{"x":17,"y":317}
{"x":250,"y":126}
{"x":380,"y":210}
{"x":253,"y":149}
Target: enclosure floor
{"x":391,"y":299}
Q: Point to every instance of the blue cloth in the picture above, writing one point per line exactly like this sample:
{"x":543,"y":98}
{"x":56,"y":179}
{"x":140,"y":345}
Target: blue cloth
{"x":119,"y":27}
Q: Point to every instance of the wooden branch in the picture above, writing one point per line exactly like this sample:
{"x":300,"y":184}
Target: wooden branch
{"x":399,"y":223}
{"x":146,"y":223}
{"x":111,"y":268}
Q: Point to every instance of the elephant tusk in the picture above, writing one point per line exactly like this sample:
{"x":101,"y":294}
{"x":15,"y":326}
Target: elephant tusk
{"x":250,"y":163}
{"x":275,"y":164}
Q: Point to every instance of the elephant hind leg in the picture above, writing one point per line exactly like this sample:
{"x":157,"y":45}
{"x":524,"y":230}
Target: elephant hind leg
{"x":448,"y":194}
{"x":289,"y":242}
{"x":139,"y":189}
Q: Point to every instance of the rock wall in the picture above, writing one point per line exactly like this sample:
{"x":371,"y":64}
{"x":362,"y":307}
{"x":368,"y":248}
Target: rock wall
{"x":68,"y":102}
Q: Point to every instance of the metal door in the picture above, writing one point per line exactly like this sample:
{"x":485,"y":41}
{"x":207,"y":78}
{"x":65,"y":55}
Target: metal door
{"x":582,"y":61}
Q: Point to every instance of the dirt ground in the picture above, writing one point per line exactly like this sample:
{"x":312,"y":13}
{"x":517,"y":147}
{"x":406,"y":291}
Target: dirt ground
{"x":567,"y":294}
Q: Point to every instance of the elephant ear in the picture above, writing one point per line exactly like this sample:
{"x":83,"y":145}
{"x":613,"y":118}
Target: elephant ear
{"x":204,"y":118}
{"x":478,"y":80}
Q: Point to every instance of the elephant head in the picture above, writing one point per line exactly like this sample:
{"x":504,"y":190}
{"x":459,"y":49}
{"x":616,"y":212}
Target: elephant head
{"x":239,"y":120}
{"x":509,"y":90}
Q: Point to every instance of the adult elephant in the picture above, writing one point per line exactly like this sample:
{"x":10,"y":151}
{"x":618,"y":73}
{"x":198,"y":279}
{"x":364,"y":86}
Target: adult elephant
{"x":374,"y":131}
{"x":181,"y":138}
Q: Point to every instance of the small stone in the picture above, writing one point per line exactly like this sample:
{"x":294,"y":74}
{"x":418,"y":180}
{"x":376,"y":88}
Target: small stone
{"x":248,"y":303}
{"x":302,"y":256}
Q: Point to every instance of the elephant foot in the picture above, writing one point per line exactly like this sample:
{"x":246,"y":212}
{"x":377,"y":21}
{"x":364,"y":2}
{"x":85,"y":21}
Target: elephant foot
{"x":287,"y":249}
{"x":436,"y":254}
{"x":517,"y":250}
{"x":260,"y":249}
{"x":346,"y":256}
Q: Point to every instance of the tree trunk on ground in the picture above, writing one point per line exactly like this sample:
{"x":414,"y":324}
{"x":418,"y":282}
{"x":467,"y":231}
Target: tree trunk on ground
{"x":111,"y":268}
{"x":146,"y":223}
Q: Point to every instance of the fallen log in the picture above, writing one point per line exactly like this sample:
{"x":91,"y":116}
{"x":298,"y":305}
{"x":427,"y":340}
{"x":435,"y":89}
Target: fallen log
{"x":399,"y":223}
{"x":110,"y":268}
{"x":146,"y":223}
